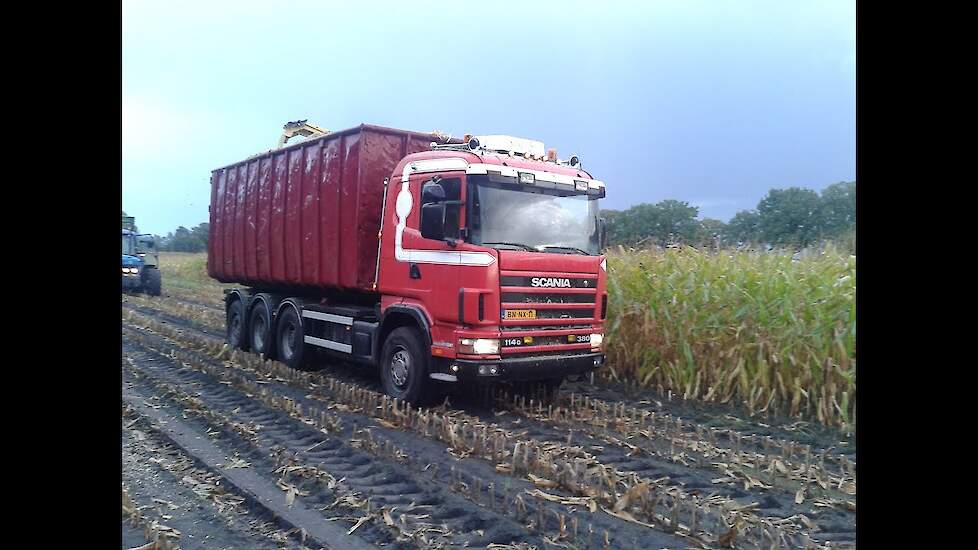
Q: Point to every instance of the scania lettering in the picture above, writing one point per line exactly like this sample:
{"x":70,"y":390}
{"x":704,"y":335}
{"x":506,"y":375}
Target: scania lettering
{"x":438,"y":261}
{"x":562,"y":283}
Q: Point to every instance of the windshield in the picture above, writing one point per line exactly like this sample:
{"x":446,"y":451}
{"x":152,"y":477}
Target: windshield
{"x":128,"y":247}
{"x":523,"y":217}
{"x":146,"y":244}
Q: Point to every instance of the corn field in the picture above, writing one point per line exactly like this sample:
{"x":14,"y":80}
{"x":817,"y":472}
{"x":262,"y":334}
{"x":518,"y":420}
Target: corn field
{"x":757,"y":329}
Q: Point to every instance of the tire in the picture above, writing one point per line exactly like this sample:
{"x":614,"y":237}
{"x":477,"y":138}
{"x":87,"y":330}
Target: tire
{"x":152,"y":281}
{"x":260,"y":330}
{"x":235,"y":326}
{"x":290,"y":342}
{"x":404,"y":366}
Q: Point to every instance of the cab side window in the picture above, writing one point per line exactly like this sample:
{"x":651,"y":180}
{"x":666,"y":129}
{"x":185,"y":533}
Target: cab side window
{"x":453,"y":192}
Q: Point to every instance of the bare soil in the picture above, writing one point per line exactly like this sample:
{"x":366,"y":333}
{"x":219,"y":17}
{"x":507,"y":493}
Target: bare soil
{"x":603,"y":466}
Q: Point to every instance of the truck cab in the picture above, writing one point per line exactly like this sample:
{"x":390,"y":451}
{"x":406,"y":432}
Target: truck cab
{"x":499,"y":247}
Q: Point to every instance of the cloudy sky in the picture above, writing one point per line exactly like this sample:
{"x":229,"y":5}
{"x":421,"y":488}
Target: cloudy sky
{"x":710,"y":102}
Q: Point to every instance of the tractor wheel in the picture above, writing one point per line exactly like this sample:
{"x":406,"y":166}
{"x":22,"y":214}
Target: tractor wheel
{"x":152,"y":281}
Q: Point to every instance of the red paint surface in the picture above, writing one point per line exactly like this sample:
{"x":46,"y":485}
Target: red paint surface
{"x":308,"y":214}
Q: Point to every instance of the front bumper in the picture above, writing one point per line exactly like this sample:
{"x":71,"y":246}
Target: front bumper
{"x":522,"y":368}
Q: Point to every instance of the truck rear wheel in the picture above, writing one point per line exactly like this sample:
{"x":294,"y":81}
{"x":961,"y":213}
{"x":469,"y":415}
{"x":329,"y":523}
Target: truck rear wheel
{"x":290,"y":341}
{"x":235,"y":325}
{"x":261,"y":330}
{"x":152,"y":281}
{"x":404,"y":366}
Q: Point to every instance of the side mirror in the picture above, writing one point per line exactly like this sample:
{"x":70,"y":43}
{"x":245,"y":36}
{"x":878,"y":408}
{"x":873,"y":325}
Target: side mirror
{"x":602,"y":233}
{"x":433,"y":219}
{"x":432,"y":192}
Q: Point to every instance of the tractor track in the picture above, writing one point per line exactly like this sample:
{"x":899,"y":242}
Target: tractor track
{"x":476,"y":480}
{"x":389,"y":485}
{"x":787,"y":438}
{"x":689,"y":481}
{"x":179,"y":494}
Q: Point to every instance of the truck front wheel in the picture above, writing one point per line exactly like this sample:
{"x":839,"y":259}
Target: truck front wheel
{"x":404,"y":366}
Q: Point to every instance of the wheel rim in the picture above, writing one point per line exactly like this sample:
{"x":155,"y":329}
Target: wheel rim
{"x":258,"y":338}
{"x":288,"y":340}
{"x":400,"y":368}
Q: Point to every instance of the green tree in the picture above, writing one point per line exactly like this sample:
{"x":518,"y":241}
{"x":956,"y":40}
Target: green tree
{"x":744,"y":227}
{"x":790,"y":216}
{"x":677,"y":222}
{"x":199,"y":234}
{"x":711,"y":232}
{"x":838,"y":209}
{"x":663,"y":222}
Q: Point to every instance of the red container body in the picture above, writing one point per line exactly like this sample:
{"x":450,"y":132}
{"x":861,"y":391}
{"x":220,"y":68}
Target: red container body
{"x":306,"y":215}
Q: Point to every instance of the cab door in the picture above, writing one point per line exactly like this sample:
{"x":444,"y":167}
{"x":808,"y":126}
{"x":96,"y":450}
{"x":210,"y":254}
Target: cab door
{"x":430,"y":265}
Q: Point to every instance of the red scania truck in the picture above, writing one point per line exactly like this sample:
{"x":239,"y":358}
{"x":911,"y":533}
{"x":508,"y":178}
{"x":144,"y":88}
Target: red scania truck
{"x":439,"y":261}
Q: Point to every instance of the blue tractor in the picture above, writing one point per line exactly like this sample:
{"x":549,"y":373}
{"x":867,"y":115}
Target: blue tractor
{"x":140,"y":260}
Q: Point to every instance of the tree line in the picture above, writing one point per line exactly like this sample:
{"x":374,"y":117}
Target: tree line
{"x":185,"y":240}
{"x":792,"y":217}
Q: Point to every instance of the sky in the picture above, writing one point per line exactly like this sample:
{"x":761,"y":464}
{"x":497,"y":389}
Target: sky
{"x":709,"y":102}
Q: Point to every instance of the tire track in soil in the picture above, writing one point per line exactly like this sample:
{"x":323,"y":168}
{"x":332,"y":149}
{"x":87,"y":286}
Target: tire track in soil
{"x":696,"y":464}
{"x":195,"y":303}
{"x":388,"y":484}
{"x":728,"y":420}
{"x":157,"y":475}
{"x":479,"y":481}
{"x":789,"y":453}
{"x":724,"y":417}
{"x":547,"y":434}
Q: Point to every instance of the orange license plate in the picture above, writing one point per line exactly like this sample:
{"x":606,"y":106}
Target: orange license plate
{"x":521,"y":314}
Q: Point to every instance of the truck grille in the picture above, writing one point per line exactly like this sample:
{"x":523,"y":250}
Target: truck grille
{"x":561,"y":302}
{"x":547,"y":298}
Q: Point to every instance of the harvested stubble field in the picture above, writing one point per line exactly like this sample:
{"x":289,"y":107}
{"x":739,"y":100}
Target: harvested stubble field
{"x":225,"y":450}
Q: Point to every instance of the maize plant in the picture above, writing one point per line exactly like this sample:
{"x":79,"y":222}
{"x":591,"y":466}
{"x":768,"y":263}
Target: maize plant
{"x":761,"y":329}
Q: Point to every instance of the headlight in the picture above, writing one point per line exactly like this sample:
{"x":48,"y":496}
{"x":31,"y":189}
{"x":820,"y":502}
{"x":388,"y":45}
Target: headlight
{"x":596,"y":339}
{"x":478,"y":346}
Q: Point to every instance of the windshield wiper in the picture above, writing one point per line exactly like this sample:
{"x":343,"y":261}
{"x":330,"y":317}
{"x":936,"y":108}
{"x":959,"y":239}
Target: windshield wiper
{"x":585,"y":252}
{"x":526,"y":247}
